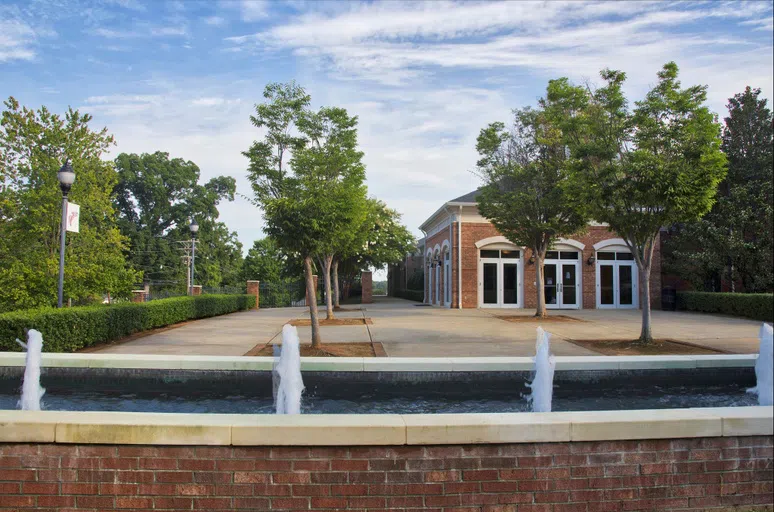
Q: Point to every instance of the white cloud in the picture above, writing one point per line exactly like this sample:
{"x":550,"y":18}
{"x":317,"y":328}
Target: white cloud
{"x":251,"y":10}
{"x":141,"y":31}
{"x":17,"y":41}
{"x":215,"y":21}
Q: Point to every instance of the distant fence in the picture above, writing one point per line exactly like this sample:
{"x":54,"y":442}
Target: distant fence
{"x":224,"y":290}
{"x":284,"y":294}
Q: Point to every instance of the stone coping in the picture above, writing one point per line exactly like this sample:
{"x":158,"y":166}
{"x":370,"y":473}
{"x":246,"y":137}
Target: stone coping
{"x":378,"y":430}
{"x":381,"y":364}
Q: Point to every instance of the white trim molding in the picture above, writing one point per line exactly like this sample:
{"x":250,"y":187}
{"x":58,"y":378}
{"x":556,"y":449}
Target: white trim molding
{"x":495,"y":240}
{"x":610,"y":242}
{"x":571,"y":243}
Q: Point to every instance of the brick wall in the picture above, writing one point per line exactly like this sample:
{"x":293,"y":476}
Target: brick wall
{"x":473,"y":232}
{"x":684,"y":474}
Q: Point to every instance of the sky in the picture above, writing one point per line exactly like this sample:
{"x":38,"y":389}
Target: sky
{"x":184,"y":76}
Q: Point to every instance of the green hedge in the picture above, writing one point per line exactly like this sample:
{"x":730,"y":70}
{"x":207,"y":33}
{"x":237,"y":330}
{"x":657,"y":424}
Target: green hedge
{"x":758,"y":306}
{"x":416,"y":295}
{"x":70,"y":329}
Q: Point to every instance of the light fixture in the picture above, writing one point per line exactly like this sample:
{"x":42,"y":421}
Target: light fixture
{"x":194,"y":227}
{"x":532,"y":260}
{"x":591,"y":260}
{"x":66,"y":177}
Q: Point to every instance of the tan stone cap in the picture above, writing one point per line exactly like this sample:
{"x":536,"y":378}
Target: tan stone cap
{"x":381,"y":364}
{"x":377,"y":429}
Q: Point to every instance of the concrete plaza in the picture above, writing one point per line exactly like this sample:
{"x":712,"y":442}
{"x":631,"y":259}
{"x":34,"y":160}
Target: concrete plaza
{"x":406,"y":329}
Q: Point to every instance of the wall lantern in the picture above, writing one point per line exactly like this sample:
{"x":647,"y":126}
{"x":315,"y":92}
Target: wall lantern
{"x":532,"y":260}
{"x":591,"y":260}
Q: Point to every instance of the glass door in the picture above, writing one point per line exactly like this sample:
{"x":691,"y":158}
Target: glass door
{"x":606,"y":274}
{"x":616,"y":280}
{"x":625,"y":286}
{"x":490,"y":280}
{"x":447,"y":280}
{"x":551,"y":285}
{"x":569,"y":285}
{"x":510,"y":284}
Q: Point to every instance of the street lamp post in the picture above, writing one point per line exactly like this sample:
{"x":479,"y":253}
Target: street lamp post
{"x":66,"y":177}
{"x":194,"y":229}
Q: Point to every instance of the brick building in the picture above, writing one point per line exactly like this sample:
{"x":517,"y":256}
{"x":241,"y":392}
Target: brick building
{"x":399,"y":275}
{"x":592,"y":270}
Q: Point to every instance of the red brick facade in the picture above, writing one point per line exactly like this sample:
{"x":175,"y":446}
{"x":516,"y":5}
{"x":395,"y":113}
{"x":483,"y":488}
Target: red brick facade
{"x":682,"y":474}
{"x":474,"y":232}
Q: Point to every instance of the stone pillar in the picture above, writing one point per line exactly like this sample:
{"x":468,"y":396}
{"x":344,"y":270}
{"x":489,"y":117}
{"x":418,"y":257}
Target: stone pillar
{"x":254,"y":288}
{"x":368,"y":288}
{"x":196,"y":289}
{"x":138,"y":296}
{"x":314,"y":278}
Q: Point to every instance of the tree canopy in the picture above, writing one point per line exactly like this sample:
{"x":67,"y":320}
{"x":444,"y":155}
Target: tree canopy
{"x":642,"y":169}
{"x":526,"y":194}
{"x":156,"y":198}
{"x":733,"y":243}
{"x":33,"y":146}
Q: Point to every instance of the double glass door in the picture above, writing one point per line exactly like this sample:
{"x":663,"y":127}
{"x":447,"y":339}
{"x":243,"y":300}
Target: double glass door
{"x":616,"y":280}
{"x":499,"y":279}
{"x":561,"y":279}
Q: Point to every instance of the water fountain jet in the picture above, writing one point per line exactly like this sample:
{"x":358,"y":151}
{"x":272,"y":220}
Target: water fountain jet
{"x":31,"y":390}
{"x":287,"y":369}
{"x":764,"y":367}
{"x":543,"y":384}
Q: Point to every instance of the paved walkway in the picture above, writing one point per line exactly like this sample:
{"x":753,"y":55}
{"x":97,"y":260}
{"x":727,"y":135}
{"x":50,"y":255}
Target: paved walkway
{"x":408,"y":330}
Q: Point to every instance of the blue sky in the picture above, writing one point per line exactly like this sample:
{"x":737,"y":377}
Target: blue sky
{"x":183,"y":76}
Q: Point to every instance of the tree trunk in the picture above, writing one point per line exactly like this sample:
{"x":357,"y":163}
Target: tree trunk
{"x":327,"y":260}
{"x":646,"y":335}
{"x":541,"y":311}
{"x":312,"y":294}
{"x":336,"y":291}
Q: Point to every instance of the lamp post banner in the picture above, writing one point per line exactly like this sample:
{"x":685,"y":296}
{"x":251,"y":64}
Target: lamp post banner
{"x":73,"y":217}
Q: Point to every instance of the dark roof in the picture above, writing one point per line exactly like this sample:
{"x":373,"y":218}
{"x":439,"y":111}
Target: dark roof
{"x":470,"y":197}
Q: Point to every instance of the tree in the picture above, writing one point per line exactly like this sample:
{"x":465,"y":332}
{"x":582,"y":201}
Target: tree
{"x":156,"y":197}
{"x":380,"y":240}
{"x":525,"y":193}
{"x":289,"y":210}
{"x":265,"y":262}
{"x":641,"y":170}
{"x":734,"y":240}
{"x":331,"y":166}
{"x":33,"y":146}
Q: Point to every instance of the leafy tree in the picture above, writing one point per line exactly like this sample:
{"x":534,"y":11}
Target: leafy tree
{"x":640,"y":170}
{"x":380,"y":240}
{"x":33,"y":146}
{"x":156,"y":197}
{"x":735,"y":239}
{"x":290,"y":210}
{"x":525,"y":193}
{"x":266,"y":262}
{"x":330,"y":165}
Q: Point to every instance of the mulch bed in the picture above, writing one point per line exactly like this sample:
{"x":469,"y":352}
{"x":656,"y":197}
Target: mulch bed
{"x":336,"y":321}
{"x":328,"y":350}
{"x":661,"y":347}
{"x":534,"y":319}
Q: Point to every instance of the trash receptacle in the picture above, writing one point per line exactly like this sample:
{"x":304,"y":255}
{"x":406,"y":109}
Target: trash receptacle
{"x":669,"y":299}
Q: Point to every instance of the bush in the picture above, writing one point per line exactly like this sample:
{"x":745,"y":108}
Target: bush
{"x":416,"y":295}
{"x":70,"y":329}
{"x":758,"y":306}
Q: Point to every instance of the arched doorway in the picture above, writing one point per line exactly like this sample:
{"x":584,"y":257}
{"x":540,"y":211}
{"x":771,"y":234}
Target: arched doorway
{"x":500,"y":274}
{"x":616,"y":275}
{"x":562,"y":275}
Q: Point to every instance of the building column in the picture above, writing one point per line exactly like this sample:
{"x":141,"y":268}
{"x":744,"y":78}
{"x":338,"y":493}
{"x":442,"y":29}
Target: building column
{"x":366,"y":281}
{"x":196,"y":290}
{"x":254,"y":288}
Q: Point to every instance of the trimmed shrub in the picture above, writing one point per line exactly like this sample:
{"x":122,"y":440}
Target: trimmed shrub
{"x":71,"y":329}
{"x":758,"y":306}
{"x":416,"y":295}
